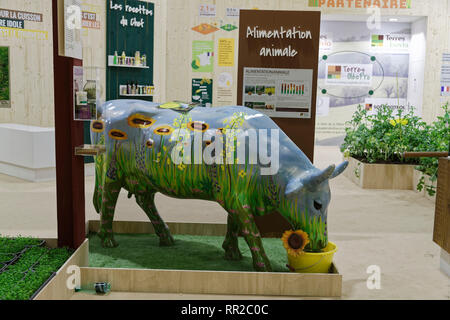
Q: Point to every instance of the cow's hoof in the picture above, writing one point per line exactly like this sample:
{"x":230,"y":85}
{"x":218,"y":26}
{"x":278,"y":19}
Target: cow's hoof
{"x":233,"y":254}
{"x":109,"y":243}
{"x":262,"y":267}
{"x":166,"y":241}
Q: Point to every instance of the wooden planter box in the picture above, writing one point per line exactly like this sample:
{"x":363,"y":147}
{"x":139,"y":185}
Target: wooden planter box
{"x":187,"y":281}
{"x":417,"y":175}
{"x":441,"y":232}
{"x":380,"y":176}
{"x":56,"y":288}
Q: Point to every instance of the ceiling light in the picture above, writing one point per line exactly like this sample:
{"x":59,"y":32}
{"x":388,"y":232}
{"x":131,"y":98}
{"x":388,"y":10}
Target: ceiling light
{"x":393,"y":19}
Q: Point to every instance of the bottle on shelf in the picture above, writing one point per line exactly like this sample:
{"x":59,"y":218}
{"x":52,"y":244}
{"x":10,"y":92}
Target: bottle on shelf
{"x":115,"y":58}
{"x":124,"y":56}
{"x":144,"y":60}
{"x":137,"y":58}
{"x":128,"y":88}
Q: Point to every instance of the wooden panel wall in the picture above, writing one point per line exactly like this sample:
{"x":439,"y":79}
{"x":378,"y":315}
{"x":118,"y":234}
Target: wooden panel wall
{"x":31,"y":68}
{"x":183,"y":15}
{"x":31,"y":89}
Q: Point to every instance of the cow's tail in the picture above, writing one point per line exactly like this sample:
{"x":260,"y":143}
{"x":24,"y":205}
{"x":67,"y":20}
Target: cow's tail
{"x":98,"y":138}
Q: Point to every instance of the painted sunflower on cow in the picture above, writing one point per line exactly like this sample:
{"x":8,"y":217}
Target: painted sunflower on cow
{"x":235,"y":156}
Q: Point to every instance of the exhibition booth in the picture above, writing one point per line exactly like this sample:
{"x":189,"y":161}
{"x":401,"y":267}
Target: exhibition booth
{"x":161,"y":100}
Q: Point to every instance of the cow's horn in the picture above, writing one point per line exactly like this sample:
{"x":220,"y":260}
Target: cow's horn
{"x":311,"y":180}
{"x":319,"y":176}
{"x":339,"y":169}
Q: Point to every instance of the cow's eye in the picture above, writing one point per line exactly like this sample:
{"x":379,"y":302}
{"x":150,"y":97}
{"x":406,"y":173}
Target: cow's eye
{"x":317,"y":205}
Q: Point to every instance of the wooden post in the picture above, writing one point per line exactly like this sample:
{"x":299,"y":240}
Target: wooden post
{"x":441,"y":234}
{"x":68,"y":135}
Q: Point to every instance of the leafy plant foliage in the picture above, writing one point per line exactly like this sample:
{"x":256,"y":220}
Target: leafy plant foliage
{"x":25,"y":265}
{"x":4,"y":74}
{"x":385,"y":135}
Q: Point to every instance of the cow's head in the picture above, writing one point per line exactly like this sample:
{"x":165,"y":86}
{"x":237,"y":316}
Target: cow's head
{"x":311,"y":193}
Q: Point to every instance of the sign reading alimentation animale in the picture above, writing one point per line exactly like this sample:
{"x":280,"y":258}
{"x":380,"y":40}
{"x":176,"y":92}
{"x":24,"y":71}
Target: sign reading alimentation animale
{"x":278,"y":69}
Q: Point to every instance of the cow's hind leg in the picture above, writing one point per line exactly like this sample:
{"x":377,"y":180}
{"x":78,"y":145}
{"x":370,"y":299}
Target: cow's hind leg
{"x":110,"y":194}
{"x":253,"y":238}
{"x":231,"y":244}
{"x":147,"y":203}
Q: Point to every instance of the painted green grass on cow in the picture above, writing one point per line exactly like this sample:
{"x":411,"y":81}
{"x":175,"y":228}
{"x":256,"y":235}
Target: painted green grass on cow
{"x":158,"y":172}
{"x":185,"y":180}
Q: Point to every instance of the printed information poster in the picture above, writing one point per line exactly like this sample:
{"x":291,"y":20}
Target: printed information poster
{"x":279,"y":93}
{"x":225,"y":88}
{"x":203,"y":56}
{"x":207,"y":10}
{"x":4,"y":78}
{"x":202,"y":92}
{"x":445,"y":75}
{"x":233,"y":12}
{"x":226,"y":52}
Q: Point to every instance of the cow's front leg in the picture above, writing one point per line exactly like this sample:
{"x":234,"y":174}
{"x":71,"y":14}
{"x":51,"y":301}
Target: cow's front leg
{"x":231,"y":244}
{"x":147,"y":203}
{"x":251,"y":234}
{"x":110,"y":195}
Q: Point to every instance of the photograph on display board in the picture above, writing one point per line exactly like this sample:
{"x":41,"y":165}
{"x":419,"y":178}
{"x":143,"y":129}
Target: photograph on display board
{"x":283,"y":93}
{"x":202,"y":92}
{"x":85,"y":93}
{"x":4,"y":78}
{"x":202,"y":56}
{"x":359,"y":66}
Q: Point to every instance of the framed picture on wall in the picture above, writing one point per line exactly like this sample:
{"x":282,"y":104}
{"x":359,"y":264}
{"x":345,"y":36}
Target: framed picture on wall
{"x":5,"y":99}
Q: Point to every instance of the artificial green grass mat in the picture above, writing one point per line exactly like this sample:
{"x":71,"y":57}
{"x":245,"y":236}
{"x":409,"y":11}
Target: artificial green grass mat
{"x":142,"y":251}
{"x":20,"y":280}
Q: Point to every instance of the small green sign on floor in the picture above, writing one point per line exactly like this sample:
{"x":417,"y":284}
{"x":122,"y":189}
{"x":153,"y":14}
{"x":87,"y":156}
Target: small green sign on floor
{"x":202,"y":92}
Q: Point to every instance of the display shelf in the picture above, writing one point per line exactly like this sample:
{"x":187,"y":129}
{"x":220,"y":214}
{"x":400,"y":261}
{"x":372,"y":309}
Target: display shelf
{"x":111,"y":64}
{"x":90,"y":150}
{"x":136,"y":95}
{"x":126,"y":66}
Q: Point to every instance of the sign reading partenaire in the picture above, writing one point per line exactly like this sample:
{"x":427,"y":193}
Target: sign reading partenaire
{"x":361,"y":4}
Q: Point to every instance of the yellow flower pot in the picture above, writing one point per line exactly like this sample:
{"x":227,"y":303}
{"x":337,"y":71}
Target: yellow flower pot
{"x":313,"y":262}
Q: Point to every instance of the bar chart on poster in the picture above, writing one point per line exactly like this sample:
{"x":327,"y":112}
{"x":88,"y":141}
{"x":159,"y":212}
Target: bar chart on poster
{"x":282,"y":93}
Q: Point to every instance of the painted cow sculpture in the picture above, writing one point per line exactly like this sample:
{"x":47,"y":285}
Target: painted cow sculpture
{"x":141,"y":139}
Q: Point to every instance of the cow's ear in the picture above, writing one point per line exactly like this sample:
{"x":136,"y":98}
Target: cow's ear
{"x":339,"y":169}
{"x":293,"y":186}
